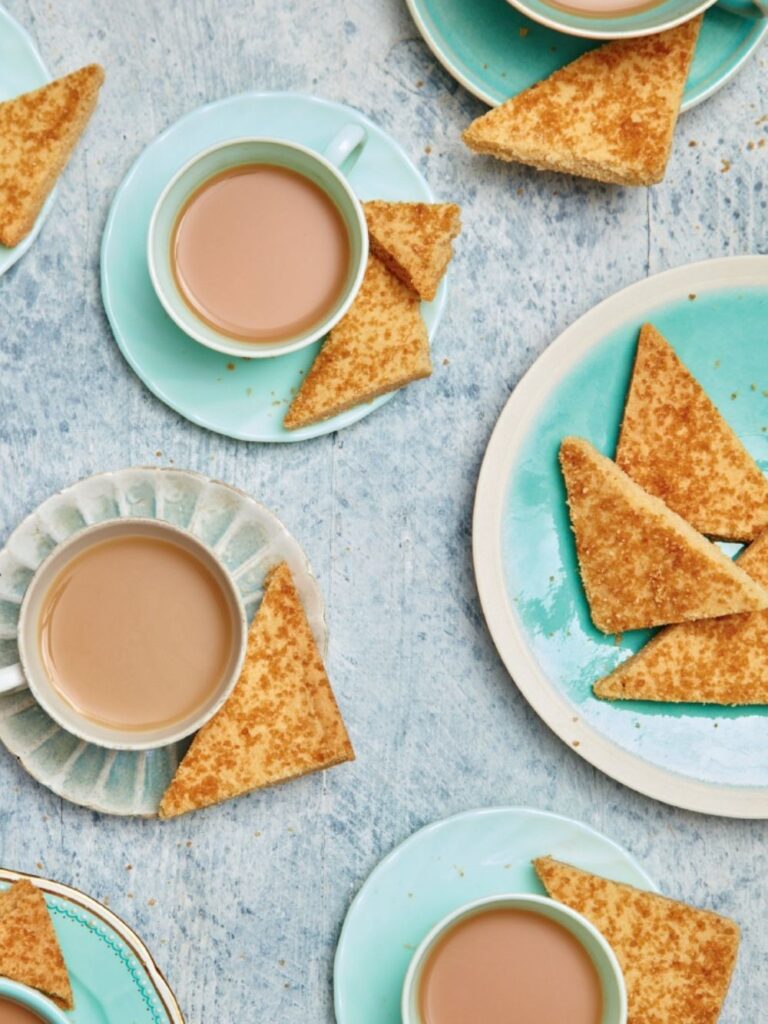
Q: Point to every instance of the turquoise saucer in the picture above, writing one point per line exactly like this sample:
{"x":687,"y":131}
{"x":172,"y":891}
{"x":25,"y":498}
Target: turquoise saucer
{"x":704,"y":758}
{"x":21,"y":70}
{"x":242,"y":398}
{"x":445,"y":865}
{"x":495,"y":52}
{"x":113,"y":976}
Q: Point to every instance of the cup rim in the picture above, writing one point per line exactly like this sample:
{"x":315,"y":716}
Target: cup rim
{"x":130,"y":739}
{"x":533,"y":901}
{"x":31,"y":999}
{"x":232,"y":346}
{"x":584,"y":32}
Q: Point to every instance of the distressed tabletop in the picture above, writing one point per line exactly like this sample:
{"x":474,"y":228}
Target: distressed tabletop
{"x":242,"y":905}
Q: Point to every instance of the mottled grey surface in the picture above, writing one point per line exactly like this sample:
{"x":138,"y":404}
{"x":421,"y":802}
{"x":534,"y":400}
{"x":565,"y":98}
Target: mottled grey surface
{"x":247,"y":900}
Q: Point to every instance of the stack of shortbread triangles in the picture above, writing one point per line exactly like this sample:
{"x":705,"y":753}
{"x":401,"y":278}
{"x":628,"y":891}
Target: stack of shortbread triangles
{"x":382,"y":342}
{"x":679,"y":469}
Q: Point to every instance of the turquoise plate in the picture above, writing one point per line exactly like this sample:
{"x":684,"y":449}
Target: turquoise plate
{"x":21,"y":70}
{"x":242,"y":398}
{"x":704,"y":758}
{"x":495,"y":52}
{"x":445,"y":865}
{"x":114,"y":978}
{"x":246,"y":537}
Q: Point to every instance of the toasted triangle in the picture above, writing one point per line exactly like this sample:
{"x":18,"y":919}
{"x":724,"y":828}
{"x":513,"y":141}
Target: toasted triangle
{"x":29,"y":950}
{"x":413,"y":240}
{"x":676,"y":445}
{"x":281,"y":721}
{"x":677,"y":961}
{"x":715,"y":661}
{"x":38,"y":132}
{"x":610,"y":115}
{"x":379,"y":346}
{"x":641,"y":564}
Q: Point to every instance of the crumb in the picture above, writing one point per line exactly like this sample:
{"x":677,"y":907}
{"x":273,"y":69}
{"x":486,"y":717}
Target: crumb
{"x":419,"y":84}
{"x":485,"y":67}
{"x":129,"y":867}
{"x":717,"y":364}
{"x":575,"y":743}
{"x":230,"y":366}
{"x":734,"y":395}
{"x":753,"y":387}
{"x":105,"y":901}
{"x":446,"y":361}
{"x":189,"y":843}
{"x":158,"y":454}
{"x":151,"y":903}
{"x":281,"y":963}
{"x":692,"y":297}
{"x":617,"y":639}
{"x":459,"y":871}
{"x":524,"y":30}
{"x":129,"y":895}
{"x":726,"y":165}
{"x":761,"y":144}
{"x":427,"y":150}
{"x":762,"y":120}
{"x":693,"y":143}
{"x":409,"y":895}
{"x":257,"y":834}
{"x":750,"y":146}
{"x":520,"y":191}
{"x":277,"y":403}
{"x":249,"y":391}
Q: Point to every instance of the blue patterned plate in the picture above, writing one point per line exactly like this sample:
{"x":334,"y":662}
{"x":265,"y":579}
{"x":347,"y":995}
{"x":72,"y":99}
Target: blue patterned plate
{"x":242,"y":398}
{"x":21,"y":70}
{"x":704,"y":758}
{"x":247,"y":538}
{"x":495,"y":52}
{"x":434,"y":872}
{"x":114,"y":978}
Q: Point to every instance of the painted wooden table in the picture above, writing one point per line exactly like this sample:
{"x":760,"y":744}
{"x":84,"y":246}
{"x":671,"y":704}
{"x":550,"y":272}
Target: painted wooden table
{"x":242,"y":905}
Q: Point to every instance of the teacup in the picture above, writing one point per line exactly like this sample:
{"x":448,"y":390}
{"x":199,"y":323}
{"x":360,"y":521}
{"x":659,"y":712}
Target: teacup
{"x":38,"y":1007}
{"x":323,"y":171}
{"x":614,"y":994}
{"x":611,"y":23}
{"x":35,"y":671}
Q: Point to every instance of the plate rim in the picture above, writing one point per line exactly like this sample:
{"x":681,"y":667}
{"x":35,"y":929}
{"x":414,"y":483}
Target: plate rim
{"x":324,"y":427}
{"x":434,"y":826}
{"x":137,"y":946}
{"x":17,"y":251}
{"x":526,"y":400}
{"x":745,"y":52}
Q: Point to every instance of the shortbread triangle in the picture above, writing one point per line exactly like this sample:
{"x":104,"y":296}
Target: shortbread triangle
{"x":379,"y":346}
{"x":414,"y":241}
{"x":641,"y":564}
{"x":610,"y":115}
{"x":281,"y":721}
{"x":677,"y":960}
{"x":716,"y":661}
{"x":676,"y":445}
{"x":29,"y":950}
{"x":38,"y":132}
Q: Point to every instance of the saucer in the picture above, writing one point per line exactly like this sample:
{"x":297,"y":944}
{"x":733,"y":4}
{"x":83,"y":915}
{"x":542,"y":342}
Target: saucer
{"x":704,"y":758}
{"x":247,"y":538}
{"x":241,"y":398}
{"x":112,"y":973}
{"x":495,"y":52}
{"x":21,"y":70}
{"x":437,"y":870}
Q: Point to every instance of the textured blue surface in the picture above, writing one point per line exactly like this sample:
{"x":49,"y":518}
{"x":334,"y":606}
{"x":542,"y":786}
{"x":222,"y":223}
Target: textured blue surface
{"x":249,"y":898}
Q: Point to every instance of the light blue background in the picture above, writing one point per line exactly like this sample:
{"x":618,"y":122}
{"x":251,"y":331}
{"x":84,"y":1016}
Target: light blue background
{"x":250,"y":897}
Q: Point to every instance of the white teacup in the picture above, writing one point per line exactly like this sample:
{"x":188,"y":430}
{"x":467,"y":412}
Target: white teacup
{"x":600,"y":953}
{"x":31,"y":670}
{"x":323,"y":170}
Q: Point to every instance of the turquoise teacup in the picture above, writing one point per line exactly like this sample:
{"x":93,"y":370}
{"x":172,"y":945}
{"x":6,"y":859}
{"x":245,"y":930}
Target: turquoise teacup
{"x":653,"y":18}
{"x":323,"y":170}
{"x":609,"y":972}
{"x":33,"y":1001}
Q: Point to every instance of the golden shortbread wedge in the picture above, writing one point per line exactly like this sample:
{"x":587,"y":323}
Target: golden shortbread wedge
{"x":610,"y":115}
{"x":38,"y":132}
{"x":29,"y":950}
{"x":413,"y":240}
{"x":677,"y":960}
{"x":281,"y":720}
{"x":676,"y":445}
{"x":379,"y":346}
{"x":715,"y":661}
{"x":641,"y":564}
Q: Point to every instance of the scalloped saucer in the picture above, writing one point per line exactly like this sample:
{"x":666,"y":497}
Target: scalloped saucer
{"x":113,"y":975}
{"x":249,"y":540}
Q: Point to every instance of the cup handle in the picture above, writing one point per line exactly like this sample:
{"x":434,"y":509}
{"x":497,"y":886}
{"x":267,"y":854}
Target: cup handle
{"x":12,"y":678}
{"x":344,"y":144}
{"x":745,"y":8}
